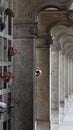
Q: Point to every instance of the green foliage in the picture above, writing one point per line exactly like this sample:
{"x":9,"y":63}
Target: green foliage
{"x":9,"y":12}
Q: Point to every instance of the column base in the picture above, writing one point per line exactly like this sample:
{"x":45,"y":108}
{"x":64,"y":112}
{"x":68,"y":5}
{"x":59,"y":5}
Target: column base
{"x":55,"y":127}
{"x":72,"y":97}
{"x":66,"y":105}
{"x":42,"y":125}
{"x":61,"y":107}
{"x":61,"y":111}
{"x":69,"y":100}
{"x":55,"y":116}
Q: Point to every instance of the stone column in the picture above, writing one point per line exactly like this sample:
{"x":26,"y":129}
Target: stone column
{"x":61,"y":81}
{"x":69,"y":81}
{"x":22,"y":91}
{"x":42,"y":86}
{"x":66,"y":81}
{"x":54,"y":84}
{"x":72,"y":78}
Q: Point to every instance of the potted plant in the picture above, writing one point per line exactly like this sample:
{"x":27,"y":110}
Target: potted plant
{"x":9,"y":12}
{"x":12,"y":51}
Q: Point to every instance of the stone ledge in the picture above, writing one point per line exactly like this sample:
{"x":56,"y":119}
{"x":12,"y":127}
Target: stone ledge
{"x":25,"y":30}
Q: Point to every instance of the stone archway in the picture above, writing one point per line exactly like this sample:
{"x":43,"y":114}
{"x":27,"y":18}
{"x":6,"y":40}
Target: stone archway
{"x":41,"y":5}
{"x":25,"y":33}
{"x":60,"y":28}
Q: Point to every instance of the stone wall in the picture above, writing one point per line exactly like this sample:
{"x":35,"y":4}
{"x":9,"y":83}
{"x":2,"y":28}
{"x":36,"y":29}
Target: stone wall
{"x":22,"y":92}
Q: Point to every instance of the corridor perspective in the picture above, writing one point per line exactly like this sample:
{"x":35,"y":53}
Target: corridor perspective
{"x":66,"y":120}
{"x":36,"y":64}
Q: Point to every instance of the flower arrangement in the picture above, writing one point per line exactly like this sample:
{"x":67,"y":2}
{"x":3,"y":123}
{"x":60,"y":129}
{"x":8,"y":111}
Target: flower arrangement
{"x":12,"y":51}
{"x":38,"y":71}
{"x":9,"y":12}
{"x":7,"y":76}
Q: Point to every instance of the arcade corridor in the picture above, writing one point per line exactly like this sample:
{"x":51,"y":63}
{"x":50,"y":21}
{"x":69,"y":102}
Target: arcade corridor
{"x":67,"y":121}
{"x":38,"y":34}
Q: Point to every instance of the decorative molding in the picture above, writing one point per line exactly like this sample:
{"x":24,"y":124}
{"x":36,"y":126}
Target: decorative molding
{"x":70,"y":50}
{"x":68,"y":45}
{"x":67,"y":41}
{"x":65,"y":34}
{"x":45,"y":41}
{"x":70,"y":15}
{"x":49,"y":40}
{"x":70,"y":53}
{"x":60,"y":34}
{"x":65,"y":23}
{"x":39,"y":6}
{"x":25,"y":30}
{"x":54,"y":29}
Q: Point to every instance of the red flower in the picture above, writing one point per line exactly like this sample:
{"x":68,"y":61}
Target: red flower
{"x":12,"y":51}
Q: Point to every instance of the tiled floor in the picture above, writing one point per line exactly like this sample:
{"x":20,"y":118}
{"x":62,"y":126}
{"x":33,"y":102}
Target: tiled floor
{"x":67,"y":123}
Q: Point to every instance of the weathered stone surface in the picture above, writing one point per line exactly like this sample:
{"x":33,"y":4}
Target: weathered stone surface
{"x":31,"y":8}
{"x":23,"y":63}
{"x":23,"y":85}
{"x":61,"y":77}
{"x":66,"y":77}
{"x":54,"y":79}
{"x":43,"y":125}
{"x":42,"y":84}
{"x":25,"y":30}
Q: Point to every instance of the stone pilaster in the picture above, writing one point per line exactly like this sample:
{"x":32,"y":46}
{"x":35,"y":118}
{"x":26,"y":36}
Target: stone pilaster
{"x":69,"y":80}
{"x":72,"y":78}
{"x":42,"y":84}
{"x":66,"y":82}
{"x":54,"y":84}
{"x":22,"y":92}
{"x":61,"y":79}
{"x":66,"y":76}
{"x":24,"y":29}
{"x":61,"y":83}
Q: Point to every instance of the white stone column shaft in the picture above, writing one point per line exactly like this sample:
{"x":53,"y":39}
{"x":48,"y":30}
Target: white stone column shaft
{"x":66,"y":82}
{"x":54,"y":85}
{"x":61,"y":81}
{"x":69,"y":80}
{"x":72,"y":78}
{"x":66,"y":77}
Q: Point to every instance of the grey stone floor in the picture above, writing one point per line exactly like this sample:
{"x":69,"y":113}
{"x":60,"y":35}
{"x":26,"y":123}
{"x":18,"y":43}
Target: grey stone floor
{"x":67,"y":122}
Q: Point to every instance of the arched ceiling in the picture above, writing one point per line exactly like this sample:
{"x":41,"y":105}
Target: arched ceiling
{"x":58,"y":31}
{"x":63,"y":35}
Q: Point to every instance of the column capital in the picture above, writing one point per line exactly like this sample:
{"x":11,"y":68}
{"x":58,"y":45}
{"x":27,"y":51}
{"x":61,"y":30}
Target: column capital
{"x":24,"y":29}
